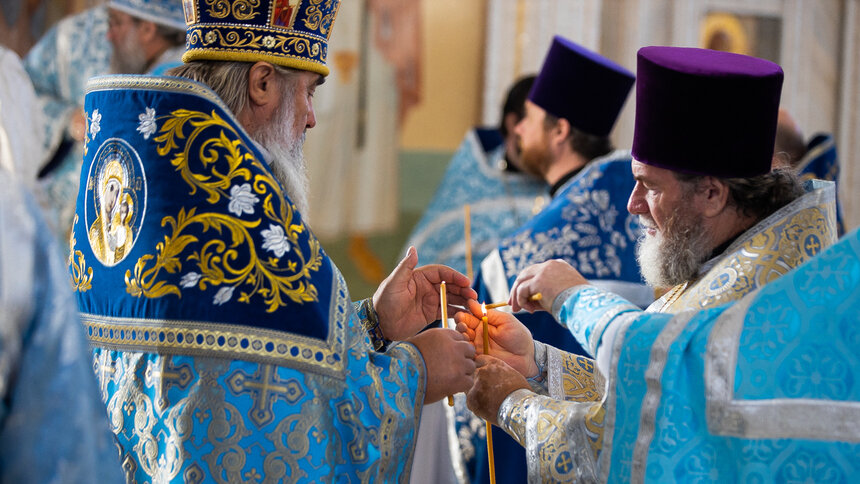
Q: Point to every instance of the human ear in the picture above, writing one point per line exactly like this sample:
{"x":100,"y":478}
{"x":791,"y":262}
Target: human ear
{"x":713,"y":194}
{"x":560,"y":131}
{"x":146,"y":31}
{"x":262,"y":83}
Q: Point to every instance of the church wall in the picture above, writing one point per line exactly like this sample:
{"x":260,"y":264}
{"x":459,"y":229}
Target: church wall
{"x":848,"y":135}
{"x":452,"y":52}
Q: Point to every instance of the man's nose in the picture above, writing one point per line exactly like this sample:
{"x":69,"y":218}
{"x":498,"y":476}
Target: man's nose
{"x":636,"y":203}
{"x":312,"y":118}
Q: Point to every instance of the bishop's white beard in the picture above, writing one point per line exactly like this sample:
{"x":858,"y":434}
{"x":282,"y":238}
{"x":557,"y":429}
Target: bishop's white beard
{"x":288,"y":161}
{"x":674,"y":255}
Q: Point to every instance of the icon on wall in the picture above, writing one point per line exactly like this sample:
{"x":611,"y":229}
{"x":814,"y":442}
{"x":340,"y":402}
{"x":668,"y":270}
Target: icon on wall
{"x":755,"y":35}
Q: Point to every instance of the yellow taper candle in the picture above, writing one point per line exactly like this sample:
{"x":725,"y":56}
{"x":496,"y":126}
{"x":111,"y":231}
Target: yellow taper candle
{"x":532,"y":298}
{"x":490,"y":458}
{"x":443,"y":298}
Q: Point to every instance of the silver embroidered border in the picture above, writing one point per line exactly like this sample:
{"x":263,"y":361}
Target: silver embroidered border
{"x":779,"y":418}
{"x":605,"y":459}
{"x":653,"y":394}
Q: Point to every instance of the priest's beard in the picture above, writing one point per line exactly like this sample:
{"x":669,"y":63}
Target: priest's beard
{"x":288,"y":161}
{"x":673,"y":255}
{"x":536,"y":159}
{"x":128,"y":57}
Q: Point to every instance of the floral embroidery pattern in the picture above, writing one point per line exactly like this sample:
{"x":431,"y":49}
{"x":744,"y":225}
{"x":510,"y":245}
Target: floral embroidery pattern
{"x":147,"y":124}
{"x":242,"y":200}
{"x":190,"y":279}
{"x":589,"y":232}
{"x":231,"y":257}
{"x":276,"y":240}
{"x":817,"y":371}
{"x":95,"y":121}
{"x":223,"y":295}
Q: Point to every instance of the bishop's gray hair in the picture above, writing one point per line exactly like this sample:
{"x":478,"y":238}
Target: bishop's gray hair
{"x":229,"y":79}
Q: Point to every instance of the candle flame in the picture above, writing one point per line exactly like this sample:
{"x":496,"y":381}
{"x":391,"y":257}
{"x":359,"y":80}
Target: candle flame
{"x":484,"y":308}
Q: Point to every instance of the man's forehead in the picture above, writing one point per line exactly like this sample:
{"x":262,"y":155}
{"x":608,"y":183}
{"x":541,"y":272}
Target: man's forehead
{"x":644,"y":171}
{"x":311,"y":79}
{"x":532,"y":108}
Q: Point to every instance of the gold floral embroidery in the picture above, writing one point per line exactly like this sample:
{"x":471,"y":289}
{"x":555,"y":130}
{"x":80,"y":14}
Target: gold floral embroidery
{"x":247,"y":40}
{"x":217,"y":255}
{"x":218,"y":8}
{"x":314,"y":18}
{"x":82,"y":276}
{"x":239,"y":9}
{"x":245,"y":9}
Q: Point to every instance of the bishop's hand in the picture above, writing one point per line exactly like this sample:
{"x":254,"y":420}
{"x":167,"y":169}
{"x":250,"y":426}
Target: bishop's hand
{"x":408,"y":299}
{"x":449,"y":359}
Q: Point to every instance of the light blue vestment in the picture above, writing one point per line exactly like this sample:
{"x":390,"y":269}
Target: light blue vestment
{"x":766,"y":389}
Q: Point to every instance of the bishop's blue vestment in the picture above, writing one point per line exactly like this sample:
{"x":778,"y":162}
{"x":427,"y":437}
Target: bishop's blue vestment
{"x":225,"y":342}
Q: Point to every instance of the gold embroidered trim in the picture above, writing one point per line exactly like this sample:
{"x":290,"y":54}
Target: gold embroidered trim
{"x":156,"y":83}
{"x":222,"y":340}
{"x":774,"y":246}
{"x":260,"y":276}
{"x":230,"y":341}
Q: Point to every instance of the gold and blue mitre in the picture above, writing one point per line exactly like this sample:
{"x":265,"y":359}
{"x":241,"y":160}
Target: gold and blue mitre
{"x":291,"y":33}
{"x":181,"y":225}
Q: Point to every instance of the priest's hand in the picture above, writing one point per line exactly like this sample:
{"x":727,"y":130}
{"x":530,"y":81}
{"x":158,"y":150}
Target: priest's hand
{"x":408,"y":299}
{"x":510,"y":340}
{"x":494,"y":381}
{"x":449,"y":359}
{"x":548,"y":278}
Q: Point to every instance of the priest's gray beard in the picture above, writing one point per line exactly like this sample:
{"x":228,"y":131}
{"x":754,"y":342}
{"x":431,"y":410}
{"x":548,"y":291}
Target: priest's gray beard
{"x":674,"y":255}
{"x":288,"y":161}
{"x":128,"y":56}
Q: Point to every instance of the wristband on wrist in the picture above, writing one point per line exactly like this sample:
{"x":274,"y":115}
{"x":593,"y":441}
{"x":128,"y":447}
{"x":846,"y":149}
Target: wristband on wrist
{"x":370,"y":321}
